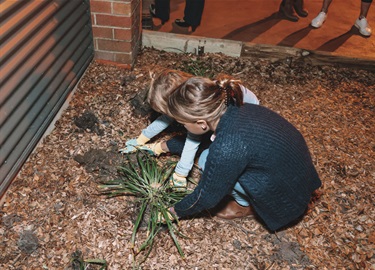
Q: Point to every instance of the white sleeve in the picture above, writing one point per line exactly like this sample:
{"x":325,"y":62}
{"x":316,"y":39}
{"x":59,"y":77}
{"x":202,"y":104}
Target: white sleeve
{"x":186,"y":162}
{"x":248,"y":96}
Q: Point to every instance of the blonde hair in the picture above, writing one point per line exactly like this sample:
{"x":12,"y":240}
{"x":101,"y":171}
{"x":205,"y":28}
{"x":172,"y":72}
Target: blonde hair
{"x":163,"y":82}
{"x":203,"y":99}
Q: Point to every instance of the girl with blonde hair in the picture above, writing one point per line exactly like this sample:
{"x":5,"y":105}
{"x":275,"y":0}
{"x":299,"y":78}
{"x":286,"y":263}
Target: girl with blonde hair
{"x":255,"y":153}
{"x":163,"y":82}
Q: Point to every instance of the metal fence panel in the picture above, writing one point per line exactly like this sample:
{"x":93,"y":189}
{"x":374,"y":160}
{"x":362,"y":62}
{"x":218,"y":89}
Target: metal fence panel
{"x":45,"y":46}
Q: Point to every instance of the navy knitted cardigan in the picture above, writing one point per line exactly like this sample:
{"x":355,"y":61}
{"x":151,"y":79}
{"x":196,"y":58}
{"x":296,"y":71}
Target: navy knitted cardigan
{"x":270,"y":159}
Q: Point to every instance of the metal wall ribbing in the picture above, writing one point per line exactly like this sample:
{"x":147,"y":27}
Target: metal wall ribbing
{"x":45,"y":46}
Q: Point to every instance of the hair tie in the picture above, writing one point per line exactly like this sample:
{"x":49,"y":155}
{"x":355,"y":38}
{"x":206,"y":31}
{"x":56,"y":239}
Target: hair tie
{"x":227,"y":96}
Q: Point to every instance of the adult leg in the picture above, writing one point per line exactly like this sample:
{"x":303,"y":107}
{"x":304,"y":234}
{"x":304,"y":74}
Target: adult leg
{"x":286,"y":8}
{"x":326,"y":4}
{"x":192,"y":14}
{"x":162,"y":10}
{"x":365,"y":6}
{"x":361,"y":23}
{"x":299,"y":8}
{"x":322,"y":16}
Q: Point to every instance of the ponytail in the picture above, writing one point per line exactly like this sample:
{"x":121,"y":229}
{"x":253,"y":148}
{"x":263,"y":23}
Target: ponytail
{"x":232,"y":88}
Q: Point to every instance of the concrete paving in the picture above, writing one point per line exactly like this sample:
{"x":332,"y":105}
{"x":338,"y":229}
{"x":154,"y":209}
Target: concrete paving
{"x":259,"y":22}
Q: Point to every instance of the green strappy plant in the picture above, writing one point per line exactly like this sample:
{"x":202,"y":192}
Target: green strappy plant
{"x":142,"y":177}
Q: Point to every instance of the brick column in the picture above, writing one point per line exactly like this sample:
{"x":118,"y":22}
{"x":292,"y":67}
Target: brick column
{"x":116,"y":26}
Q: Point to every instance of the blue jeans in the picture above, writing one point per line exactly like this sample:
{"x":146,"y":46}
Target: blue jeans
{"x":238,"y":193}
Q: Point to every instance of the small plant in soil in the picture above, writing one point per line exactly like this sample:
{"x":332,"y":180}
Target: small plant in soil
{"x":79,"y":263}
{"x":144,"y":178}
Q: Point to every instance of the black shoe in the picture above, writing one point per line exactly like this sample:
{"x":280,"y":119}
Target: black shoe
{"x":288,"y":12}
{"x":298,"y":7}
{"x":152,"y":10}
{"x":182,"y":23}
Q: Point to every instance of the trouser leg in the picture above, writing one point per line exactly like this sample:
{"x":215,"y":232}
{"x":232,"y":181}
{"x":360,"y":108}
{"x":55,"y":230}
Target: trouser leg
{"x":162,"y":9}
{"x":193,"y":12}
{"x":176,"y":144}
{"x":238,"y":193}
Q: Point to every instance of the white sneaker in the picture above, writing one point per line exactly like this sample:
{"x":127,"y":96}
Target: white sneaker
{"x":319,"y":20}
{"x":363,"y":26}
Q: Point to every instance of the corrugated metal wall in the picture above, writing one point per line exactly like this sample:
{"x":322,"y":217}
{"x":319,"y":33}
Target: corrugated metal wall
{"x":45,"y":46}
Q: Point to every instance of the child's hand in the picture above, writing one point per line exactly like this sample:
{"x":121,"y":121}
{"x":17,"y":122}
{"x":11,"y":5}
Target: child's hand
{"x":131,"y":146}
{"x":168,"y":215}
{"x":178,"y":182}
{"x":153,"y":148}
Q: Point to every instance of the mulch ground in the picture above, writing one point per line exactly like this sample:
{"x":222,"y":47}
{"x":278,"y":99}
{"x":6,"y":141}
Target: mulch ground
{"x":53,"y":208}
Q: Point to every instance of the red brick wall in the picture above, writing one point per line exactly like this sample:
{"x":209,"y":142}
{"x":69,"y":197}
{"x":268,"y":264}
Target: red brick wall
{"x":116,"y":28}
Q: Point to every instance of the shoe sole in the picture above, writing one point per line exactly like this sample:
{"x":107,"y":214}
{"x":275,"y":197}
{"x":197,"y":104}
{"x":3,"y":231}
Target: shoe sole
{"x":315,"y":26}
{"x":359,"y":29}
{"x":234,"y":217}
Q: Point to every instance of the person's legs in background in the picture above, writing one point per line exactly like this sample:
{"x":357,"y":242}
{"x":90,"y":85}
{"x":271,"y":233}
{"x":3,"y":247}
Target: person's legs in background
{"x":286,"y":8}
{"x":322,"y":16}
{"x":326,"y":4}
{"x":299,"y":8}
{"x":192,"y":14}
{"x":365,"y":6}
{"x":361,"y":23}
{"x":161,"y":10}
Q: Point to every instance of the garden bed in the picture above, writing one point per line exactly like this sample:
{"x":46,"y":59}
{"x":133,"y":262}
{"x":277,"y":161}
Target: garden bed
{"x":53,"y":208}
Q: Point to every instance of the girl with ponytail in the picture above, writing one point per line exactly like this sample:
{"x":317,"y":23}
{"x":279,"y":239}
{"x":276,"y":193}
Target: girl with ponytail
{"x":256,"y":157}
{"x":163,"y":83}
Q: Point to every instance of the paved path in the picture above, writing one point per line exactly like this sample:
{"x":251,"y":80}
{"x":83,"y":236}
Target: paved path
{"x":258,"y":21}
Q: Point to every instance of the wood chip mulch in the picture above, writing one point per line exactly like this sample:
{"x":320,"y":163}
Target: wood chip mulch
{"x":53,"y":207}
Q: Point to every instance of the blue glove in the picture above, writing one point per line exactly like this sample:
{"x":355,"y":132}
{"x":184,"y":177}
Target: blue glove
{"x":131,"y":146}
